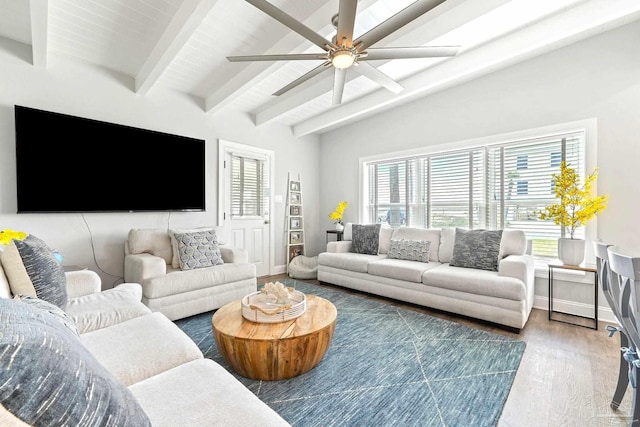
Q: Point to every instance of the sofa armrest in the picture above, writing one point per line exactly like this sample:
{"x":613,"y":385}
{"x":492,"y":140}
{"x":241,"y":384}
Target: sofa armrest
{"x":519,"y":267}
{"x":234,"y":255}
{"x":139,"y":267}
{"x":82,"y":282}
{"x":341,"y":246}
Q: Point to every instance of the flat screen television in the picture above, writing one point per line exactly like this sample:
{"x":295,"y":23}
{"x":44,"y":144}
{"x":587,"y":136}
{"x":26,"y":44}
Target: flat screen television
{"x":66,"y":163}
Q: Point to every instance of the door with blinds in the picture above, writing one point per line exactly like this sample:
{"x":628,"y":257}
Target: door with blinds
{"x":245,"y":197}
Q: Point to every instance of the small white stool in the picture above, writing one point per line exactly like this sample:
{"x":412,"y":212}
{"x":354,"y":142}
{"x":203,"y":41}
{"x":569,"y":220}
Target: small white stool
{"x":303,"y":267}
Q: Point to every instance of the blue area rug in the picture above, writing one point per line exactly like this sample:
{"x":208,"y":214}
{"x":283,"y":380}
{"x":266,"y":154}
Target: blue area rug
{"x":388,"y":366}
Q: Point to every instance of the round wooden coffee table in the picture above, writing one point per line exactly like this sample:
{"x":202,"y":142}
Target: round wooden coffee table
{"x":275,"y":351}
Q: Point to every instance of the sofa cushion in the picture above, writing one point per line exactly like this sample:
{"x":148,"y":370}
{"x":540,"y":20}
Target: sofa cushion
{"x":347,"y":232}
{"x":54,"y":310}
{"x":478,"y":249}
{"x":32,"y":269}
{"x":385,"y":239}
{"x":152,"y":241}
{"x":410,"y":250}
{"x":415,"y":233}
{"x":514,"y":242}
{"x":447,"y":239}
{"x":473,"y":281}
{"x":366,"y":238}
{"x":124,"y":349}
{"x":107,"y":308}
{"x":198,"y":249}
{"x":179,"y":282}
{"x":410,"y":271}
{"x":49,"y":378}
{"x":175,"y":259}
{"x":202,"y":393}
{"x":348,"y":260}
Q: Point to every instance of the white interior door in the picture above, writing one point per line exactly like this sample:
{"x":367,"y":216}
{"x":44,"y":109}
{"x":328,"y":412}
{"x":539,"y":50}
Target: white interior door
{"x":244,"y":203}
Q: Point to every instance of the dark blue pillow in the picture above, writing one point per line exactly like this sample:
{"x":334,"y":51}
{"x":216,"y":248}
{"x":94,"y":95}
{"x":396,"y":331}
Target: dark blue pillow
{"x":365,"y":239}
{"x":50,"y":379}
{"x":476,"y":249}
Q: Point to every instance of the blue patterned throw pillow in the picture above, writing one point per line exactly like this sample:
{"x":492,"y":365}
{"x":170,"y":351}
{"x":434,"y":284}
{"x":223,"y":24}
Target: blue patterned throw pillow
{"x":365,"y":238}
{"x":50,"y":379}
{"x":198,"y":250}
{"x":32,"y":269}
{"x":476,"y":249}
{"x":410,"y":250}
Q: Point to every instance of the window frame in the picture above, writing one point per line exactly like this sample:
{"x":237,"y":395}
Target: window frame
{"x":588,"y":127}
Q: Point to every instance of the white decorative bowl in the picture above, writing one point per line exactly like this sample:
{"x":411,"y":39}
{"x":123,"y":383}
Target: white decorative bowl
{"x":257,"y":307}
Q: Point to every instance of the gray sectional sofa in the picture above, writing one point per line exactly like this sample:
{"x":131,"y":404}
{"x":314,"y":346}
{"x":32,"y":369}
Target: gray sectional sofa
{"x":504,"y":297}
{"x":104,"y":358}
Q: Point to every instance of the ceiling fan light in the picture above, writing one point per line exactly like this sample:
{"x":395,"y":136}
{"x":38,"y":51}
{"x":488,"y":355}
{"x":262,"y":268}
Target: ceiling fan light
{"x":342,"y":59}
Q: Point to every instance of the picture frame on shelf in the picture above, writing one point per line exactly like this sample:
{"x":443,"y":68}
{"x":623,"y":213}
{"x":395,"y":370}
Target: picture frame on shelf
{"x":295,"y":223}
{"x":295,"y":237}
{"x":295,"y":250}
{"x":295,"y":198}
{"x":295,"y":210}
{"x":294,"y":186}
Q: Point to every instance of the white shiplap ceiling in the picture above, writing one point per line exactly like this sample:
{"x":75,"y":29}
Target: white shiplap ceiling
{"x":183,"y":45}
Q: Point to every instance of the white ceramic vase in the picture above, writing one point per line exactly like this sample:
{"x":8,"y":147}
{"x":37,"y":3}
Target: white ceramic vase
{"x":571,"y":251}
{"x":339,"y":226}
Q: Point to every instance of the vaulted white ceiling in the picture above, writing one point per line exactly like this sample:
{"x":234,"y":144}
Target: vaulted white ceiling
{"x":183,"y":45}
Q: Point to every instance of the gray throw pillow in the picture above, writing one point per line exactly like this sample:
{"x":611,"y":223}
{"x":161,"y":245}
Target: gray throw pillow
{"x":32,"y":269}
{"x":476,"y":249}
{"x":411,"y":250}
{"x":365,"y":238}
{"x":54,"y":310}
{"x":50,"y":379}
{"x":198,"y":249}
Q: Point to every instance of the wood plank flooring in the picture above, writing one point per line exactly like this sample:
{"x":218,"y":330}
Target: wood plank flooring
{"x":567,"y":375}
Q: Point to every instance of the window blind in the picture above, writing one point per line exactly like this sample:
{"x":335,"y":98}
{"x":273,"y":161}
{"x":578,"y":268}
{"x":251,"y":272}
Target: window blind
{"x":495,"y":186}
{"x":249,"y":179}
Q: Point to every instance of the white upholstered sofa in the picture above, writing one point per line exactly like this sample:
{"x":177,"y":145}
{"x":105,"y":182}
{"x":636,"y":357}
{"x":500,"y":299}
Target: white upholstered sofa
{"x":504,"y":297}
{"x":152,"y":259}
{"x":127,"y":365}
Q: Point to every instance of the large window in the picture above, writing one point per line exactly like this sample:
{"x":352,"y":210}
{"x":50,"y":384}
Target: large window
{"x":498,"y":185}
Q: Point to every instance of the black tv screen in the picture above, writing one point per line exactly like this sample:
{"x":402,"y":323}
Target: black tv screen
{"x":73,"y":164}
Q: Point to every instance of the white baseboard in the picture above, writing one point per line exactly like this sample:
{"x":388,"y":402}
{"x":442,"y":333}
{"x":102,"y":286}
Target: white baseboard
{"x":279,"y":269}
{"x":580,"y":309}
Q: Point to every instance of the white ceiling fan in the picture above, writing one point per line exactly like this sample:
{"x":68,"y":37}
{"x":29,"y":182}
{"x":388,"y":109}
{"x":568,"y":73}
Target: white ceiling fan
{"x":343,"y":52}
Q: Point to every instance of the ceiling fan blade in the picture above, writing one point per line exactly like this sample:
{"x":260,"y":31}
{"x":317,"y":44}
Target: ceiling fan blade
{"x":339,"y":80}
{"x":346,"y":22}
{"x":303,"y":78}
{"x":409,"y":52}
{"x":284,"y":57}
{"x":293,"y":24}
{"x":379,"y":77}
{"x":397,"y":21}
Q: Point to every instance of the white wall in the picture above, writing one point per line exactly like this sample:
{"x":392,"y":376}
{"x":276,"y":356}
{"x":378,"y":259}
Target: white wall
{"x":595,"y":78}
{"x":77,"y":89}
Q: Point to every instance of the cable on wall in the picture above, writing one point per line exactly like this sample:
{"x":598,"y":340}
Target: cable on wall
{"x":93,"y":252}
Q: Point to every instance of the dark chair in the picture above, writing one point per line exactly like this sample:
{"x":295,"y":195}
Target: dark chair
{"x":612,"y":295}
{"x":624,"y":278}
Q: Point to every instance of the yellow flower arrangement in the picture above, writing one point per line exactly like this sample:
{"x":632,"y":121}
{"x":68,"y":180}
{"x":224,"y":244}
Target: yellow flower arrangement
{"x":7,"y":235}
{"x":577,"y":206}
{"x":336,"y":215}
